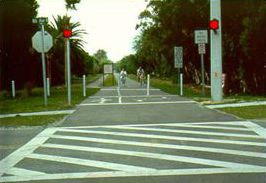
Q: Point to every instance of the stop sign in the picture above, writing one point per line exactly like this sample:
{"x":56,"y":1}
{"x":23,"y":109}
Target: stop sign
{"x":37,"y":41}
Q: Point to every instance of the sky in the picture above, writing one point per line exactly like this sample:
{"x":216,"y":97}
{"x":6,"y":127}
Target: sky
{"x":110,"y":24}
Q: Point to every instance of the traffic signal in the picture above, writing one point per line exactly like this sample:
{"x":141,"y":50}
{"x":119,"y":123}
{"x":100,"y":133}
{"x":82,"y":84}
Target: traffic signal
{"x":214,"y":25}
{"x":67,"y":33}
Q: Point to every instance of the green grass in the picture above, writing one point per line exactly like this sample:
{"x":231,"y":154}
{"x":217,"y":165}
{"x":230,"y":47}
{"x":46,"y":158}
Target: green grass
{"x":190,"y":91}
{"x":194,"y":91}
{"x":30,"y":120}
{"x":110,"y":80}
{"x":250,"y":112}
{"x":89,"y":79}
{"x":57,"y":100}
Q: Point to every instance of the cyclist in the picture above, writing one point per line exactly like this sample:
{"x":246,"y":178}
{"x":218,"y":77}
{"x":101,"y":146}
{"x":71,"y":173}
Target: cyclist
{"x":123,"y":75}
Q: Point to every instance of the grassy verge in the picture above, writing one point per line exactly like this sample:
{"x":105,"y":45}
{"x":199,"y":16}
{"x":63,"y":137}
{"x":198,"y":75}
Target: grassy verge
{"x":110,"y":80}
{"x":33,"y":103}
{"x":194,"y":92}
{"x":30,"y":120}
{"x":89,"y":79}
{"x":250,"y":112}
{"x":190,"y":91}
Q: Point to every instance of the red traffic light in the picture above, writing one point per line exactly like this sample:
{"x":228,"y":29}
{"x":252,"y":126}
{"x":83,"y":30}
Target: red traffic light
{"x":214,"y":24}
{"x":67,"y":33}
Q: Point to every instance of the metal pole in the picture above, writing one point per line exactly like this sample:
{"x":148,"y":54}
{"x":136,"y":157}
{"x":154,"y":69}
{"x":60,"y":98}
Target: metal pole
{"x":216,"y":53}
{"x":148,"y":85}
{"x":68,"y":73}
{"x":48,"y":87}
{"x":178,"y":79}
{"x":13,"y":89}
{"x":202,"y":74}
{"x":181,"y":84}
{"x":84,"y":86}
{"x":44,"y":69}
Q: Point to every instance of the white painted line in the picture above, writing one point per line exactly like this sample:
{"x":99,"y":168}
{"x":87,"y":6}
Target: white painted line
{"x":256,"y":128}
{"x":12,"y":159}
{"x":239,"y":125}
{"x":151,"y":173}
{"x":227,"y":123}
{"x":185,"y":159}
{"x":130,"y":89}
{"x":91,"y":163}
{"x":141,"y":103}
{"x":187,"y":132}
{"x":140,"y":100}
{"x":119,"y":95}
{"x":149,"y":136}
{"x":158,"y":145}
{"x":190,"y":125}
{"x":38,"y":113}
{"x":23,"y":172}
{"x":244,"y":104}
{"x":136,"y":96}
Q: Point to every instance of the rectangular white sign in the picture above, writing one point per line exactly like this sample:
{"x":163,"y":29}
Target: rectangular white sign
{"x":202,"y":48}
{"x":201,"y":36}
{"x":178,"y":53}
{"x":108,"y":68}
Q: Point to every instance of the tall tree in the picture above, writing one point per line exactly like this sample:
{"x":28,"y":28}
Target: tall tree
{"x":57,"y":52}
{"x":17,"y":59}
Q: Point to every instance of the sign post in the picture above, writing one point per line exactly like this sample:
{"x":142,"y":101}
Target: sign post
{"x":201,"y":38}
{"x":107,"y":69}
{"x":67,"y":34}
{"x":216,"y":50}
{"x":42,"y":42}
{"x":178,"y":53}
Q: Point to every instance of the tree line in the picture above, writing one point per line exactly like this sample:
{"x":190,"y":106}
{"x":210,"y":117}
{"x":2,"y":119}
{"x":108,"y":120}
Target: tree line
{"x":20,"y":62}
{"x":168,"y":23}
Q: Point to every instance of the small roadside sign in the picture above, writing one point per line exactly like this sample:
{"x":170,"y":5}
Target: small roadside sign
{"x":108,"y":68}
{"x":201,"y":49}
{"x":178,"y":53}
{"x":201,"y":36}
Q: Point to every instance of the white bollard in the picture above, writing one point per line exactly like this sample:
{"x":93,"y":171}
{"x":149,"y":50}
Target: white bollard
{"x":13,"y":88}
{"x":84,"y":86}
{"x":148,"y":85}
{"x":48,"y":86}
{"x":181,"y":84}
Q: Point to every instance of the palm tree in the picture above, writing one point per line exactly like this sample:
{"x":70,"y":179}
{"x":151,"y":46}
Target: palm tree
{"x":77,"y":43}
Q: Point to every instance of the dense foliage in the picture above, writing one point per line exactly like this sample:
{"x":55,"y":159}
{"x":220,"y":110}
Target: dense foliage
{"x":20,"y":62}
{"x":17,"y":59}
{"x":168,"y":23}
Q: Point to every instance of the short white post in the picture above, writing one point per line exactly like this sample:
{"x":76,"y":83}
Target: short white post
{"x":84,"y":86}
{"x":13,"y":88}
{"x":181,"y":84}
{"x":148,"y":85}
{"x":48,"y":86}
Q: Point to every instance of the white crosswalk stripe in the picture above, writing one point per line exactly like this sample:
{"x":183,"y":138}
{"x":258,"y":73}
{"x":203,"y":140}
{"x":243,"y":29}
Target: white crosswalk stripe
{"x":166,"y":142}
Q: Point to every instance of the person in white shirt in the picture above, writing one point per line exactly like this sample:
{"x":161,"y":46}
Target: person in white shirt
{"x":123,"y":75}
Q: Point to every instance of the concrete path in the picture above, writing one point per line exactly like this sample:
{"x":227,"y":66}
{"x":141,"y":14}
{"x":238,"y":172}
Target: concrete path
{"x":37,"y":113}
{"x":242,"y":104}
{"x":123,"y":135}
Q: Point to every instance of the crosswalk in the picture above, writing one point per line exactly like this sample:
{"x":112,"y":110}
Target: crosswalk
{"x":129,"y":150}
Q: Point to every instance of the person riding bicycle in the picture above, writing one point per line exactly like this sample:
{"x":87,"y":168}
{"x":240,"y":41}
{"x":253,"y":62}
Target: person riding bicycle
{"x":141,"y":76}
{"x":123,"y":75}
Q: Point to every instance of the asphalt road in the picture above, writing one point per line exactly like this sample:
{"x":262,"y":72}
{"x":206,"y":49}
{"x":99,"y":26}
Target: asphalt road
{"x":123,"y":135}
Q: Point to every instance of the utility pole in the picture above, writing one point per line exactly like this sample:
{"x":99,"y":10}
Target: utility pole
{"x":67,"y":33}
{"x":216,"y":50}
